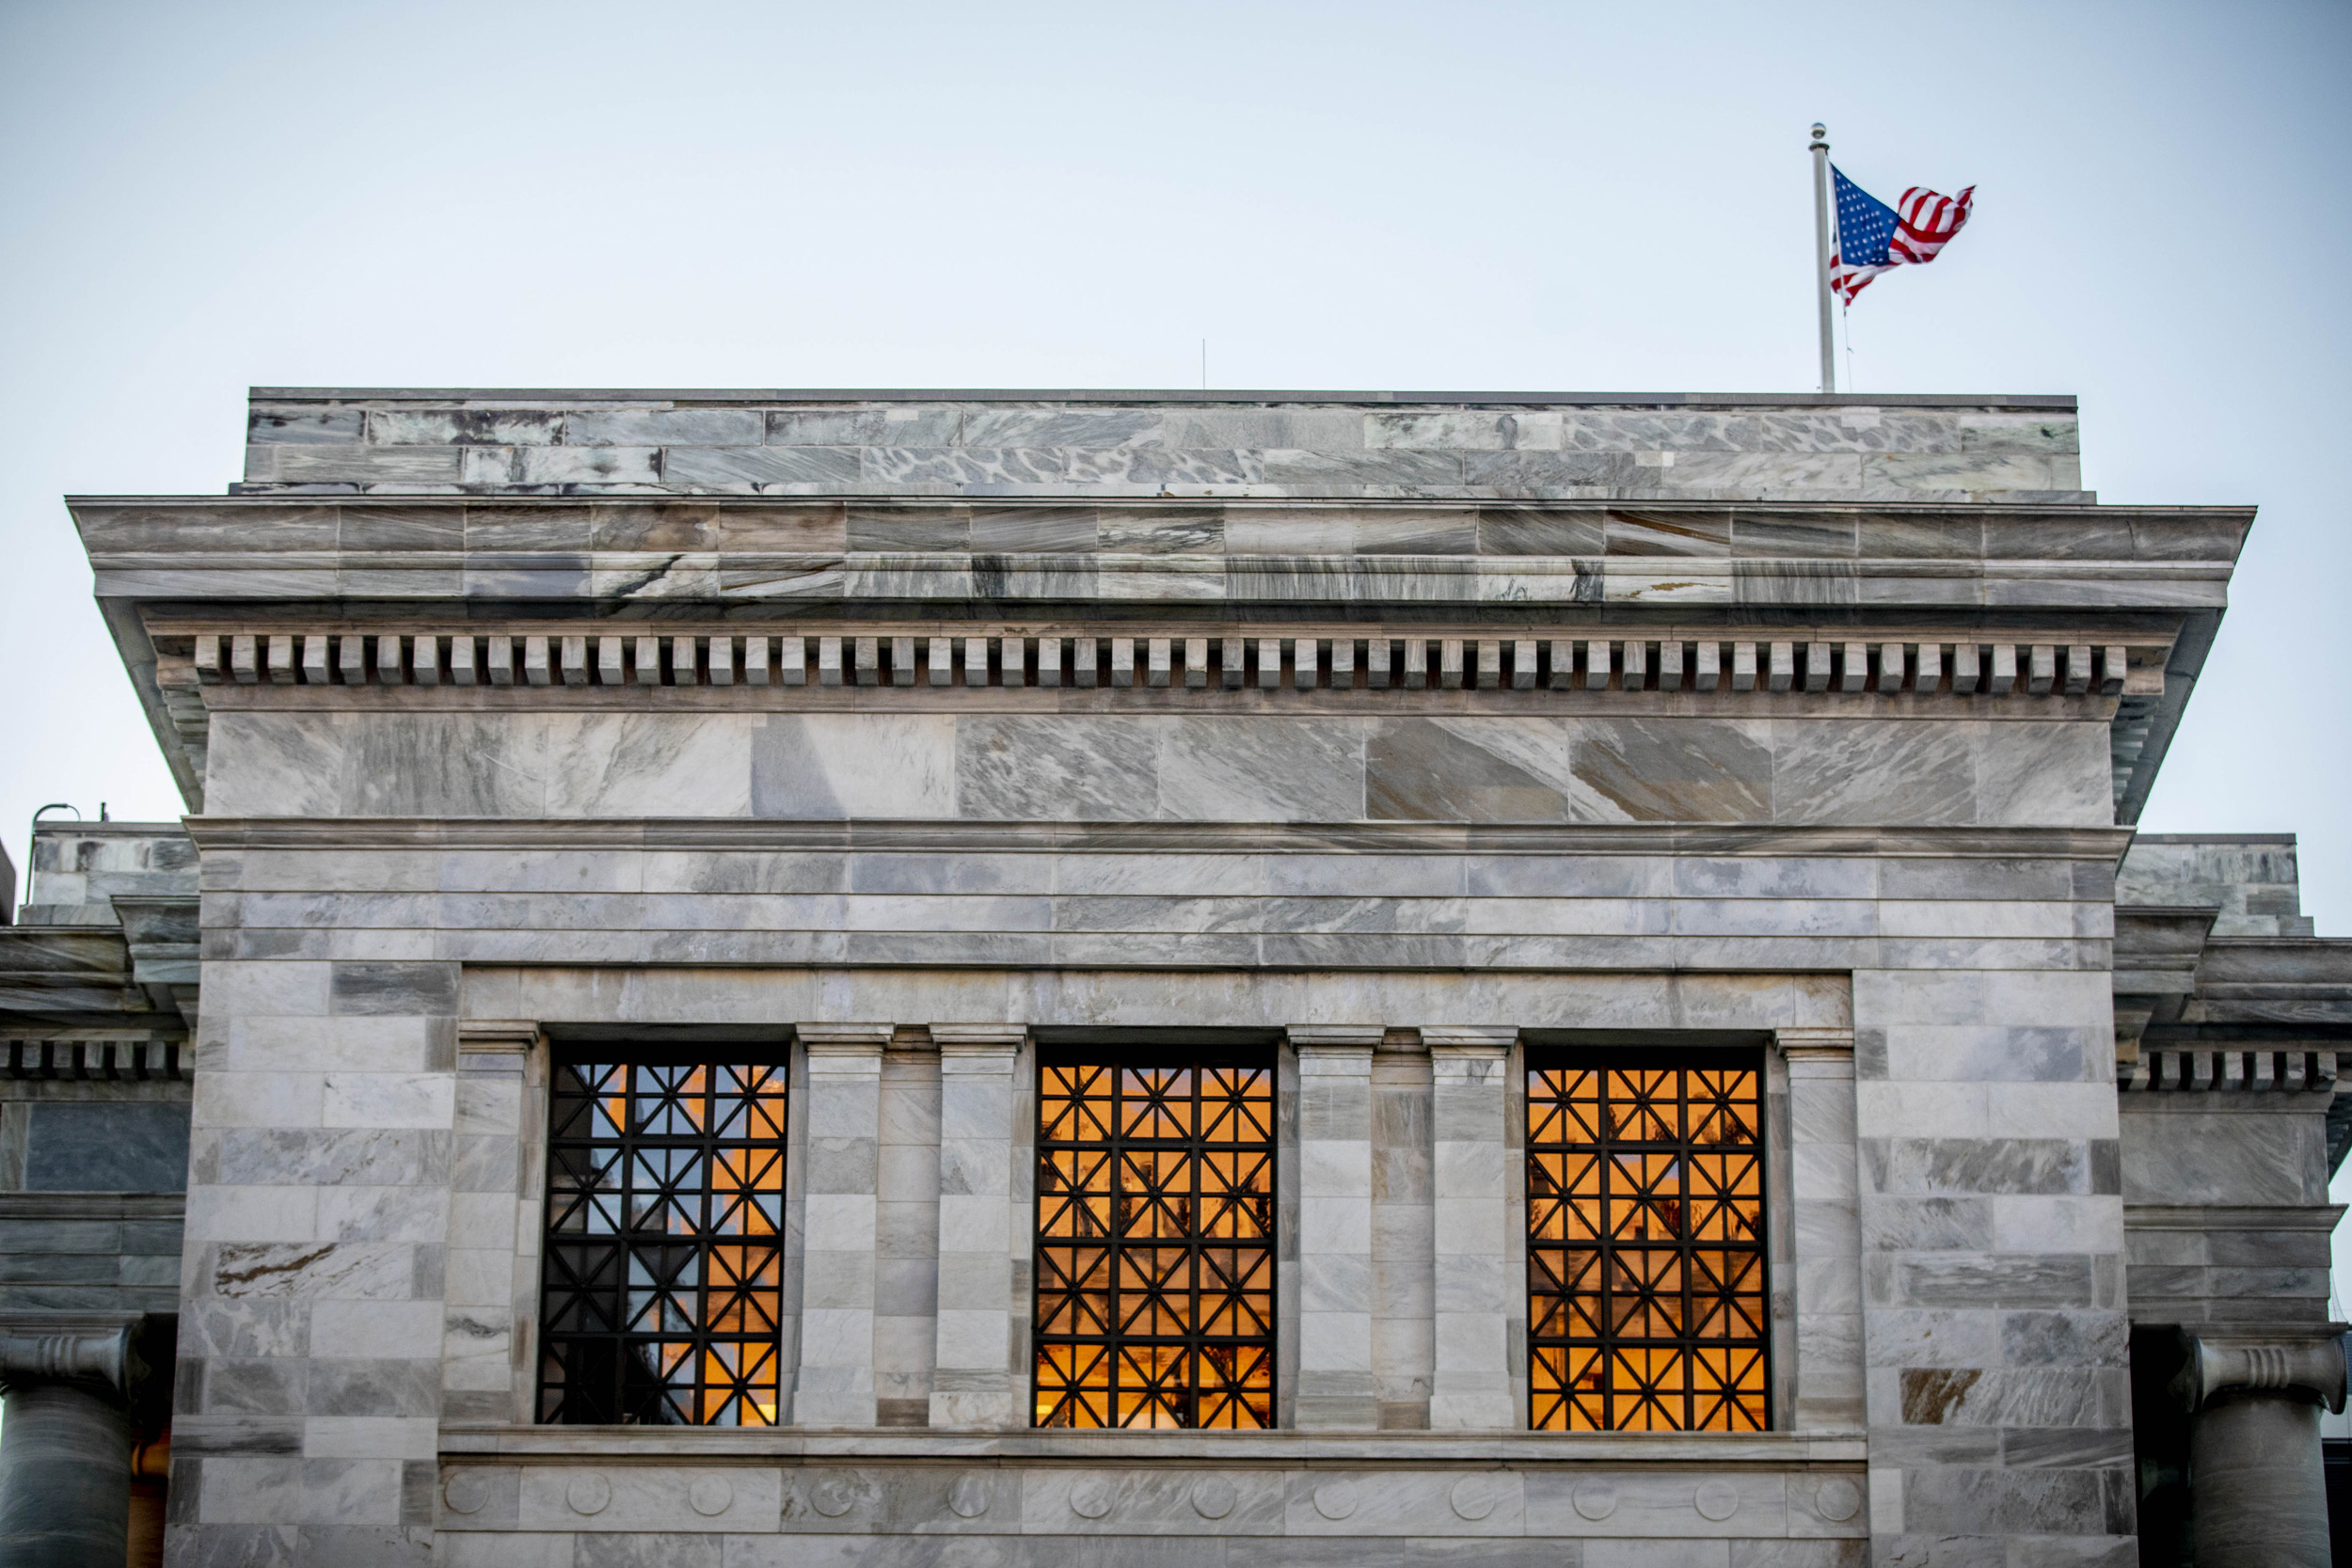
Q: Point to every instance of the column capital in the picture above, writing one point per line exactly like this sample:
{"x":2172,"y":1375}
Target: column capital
{"x":845,"y":1040}
{"x":1814,"y":1045}
{"x":2306,"y":1365}
{"x":1335,"y":1040}
{"x":98,"y":1350}
{"x":495,"y":1044}
{"x":978,"y":1040}
{"x":488,"y":1033}
{"x":1472,"y":1041}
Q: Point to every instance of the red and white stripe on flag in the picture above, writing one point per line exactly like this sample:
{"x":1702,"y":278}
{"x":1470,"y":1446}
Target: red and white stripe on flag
{"x":1929,"y":222}
{"x":1851,"y":280}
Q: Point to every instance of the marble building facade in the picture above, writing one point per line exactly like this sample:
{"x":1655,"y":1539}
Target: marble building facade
{"x":1408,"y":741}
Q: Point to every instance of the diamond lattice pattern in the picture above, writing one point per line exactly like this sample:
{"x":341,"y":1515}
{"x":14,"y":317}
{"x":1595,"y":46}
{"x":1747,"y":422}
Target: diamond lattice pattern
{"x":664,"y":1264}
{"x":1155,"y":1245}
{"x":1646,"y":1244}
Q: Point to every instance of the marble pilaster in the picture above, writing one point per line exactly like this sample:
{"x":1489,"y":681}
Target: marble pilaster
{"x":1824,"y":1243}
{"x":1474,"y":1248}
{"x":975,"y":1383}
{"x":837,"y":1386}
{"x":1404,"y":1265}
{"x":1335,"y":1363}
{"x":906,"y":1241}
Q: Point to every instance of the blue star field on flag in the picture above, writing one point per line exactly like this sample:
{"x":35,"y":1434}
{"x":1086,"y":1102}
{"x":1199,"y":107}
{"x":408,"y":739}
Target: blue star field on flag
{"x":1865,"y":224}
{"x":1872,"y":236}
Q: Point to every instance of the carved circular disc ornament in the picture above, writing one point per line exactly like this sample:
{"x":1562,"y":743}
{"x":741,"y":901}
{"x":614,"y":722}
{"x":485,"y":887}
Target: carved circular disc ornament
{"x":1474,"y":1496}
{"x":1594,"y":1499}
{"x":1838,"y":1499}
{"x":1213,"y":1497}
{"x":710,"y":1495}
{"x":467,"y":1492}
{"x":1335,"y":1499}
{"x":1091,"y":1498}
{"x":968,"y":1497}
{"x":1716,"y":1501}
{"x":589,"y":1492}
{"x":832,"y":1496}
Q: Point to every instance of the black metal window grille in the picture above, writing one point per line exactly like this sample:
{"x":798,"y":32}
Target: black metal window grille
{"x":662,"y":1281}
{"x":1154,"y":1277}
{"x":1645,"y":1242}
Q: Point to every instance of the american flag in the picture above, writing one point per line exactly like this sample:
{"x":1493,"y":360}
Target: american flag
{"x":1873,"y":237}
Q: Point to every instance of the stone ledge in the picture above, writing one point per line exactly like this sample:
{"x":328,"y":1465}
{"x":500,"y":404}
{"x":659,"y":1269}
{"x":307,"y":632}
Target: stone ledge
{"x":93,"y":1206}
{"x":529,"y":397}
{"x":2092,"y":845}
{"x":2216,"y":1216}
{"x":1832,"y":1445}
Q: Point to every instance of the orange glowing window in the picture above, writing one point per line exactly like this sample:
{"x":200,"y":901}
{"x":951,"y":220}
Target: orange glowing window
{"x":1154,"y":1300}
{"x":1646,"y":1240}
{"x":662,"y":1276}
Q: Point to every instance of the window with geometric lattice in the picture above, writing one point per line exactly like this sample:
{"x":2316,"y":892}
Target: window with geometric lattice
{"x":1154,"y":1273}
{"x":663,"y":1269}
{"x":1646,"y":1240}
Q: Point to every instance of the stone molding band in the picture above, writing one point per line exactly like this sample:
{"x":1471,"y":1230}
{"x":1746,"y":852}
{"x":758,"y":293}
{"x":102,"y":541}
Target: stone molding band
{"x":1837,"y":1447}
{"x":2309,"y":1368}
{"x":105,"y":1207}
{"x":1962,"y":667}
{"x":2092,"y":844}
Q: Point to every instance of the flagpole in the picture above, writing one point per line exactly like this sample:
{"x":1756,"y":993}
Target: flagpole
{"x":1821,"y":255}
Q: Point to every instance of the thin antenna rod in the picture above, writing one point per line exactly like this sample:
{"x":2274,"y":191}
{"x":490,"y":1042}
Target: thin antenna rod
{"x":1820,"y":254}
{"x":1204,"y":364}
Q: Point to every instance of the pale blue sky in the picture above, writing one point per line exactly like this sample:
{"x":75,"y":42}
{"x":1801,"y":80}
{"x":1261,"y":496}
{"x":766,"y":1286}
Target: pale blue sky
{"x":1565,"y":196}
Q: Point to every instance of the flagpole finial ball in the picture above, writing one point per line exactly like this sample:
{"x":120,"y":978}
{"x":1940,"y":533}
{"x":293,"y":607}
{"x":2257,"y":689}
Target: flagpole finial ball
{"x":1820,"y":136}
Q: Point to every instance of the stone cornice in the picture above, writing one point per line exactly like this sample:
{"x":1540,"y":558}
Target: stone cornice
{"x":2150,"y":579}
{"x":782,"y":581}
{"x":655,"y":546}
{"x":2097,"y":844}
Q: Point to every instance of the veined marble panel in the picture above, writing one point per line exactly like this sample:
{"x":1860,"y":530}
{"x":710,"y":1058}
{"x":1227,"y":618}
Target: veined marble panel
{"x":1072,"y":767}
{"x":841,"y":764}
